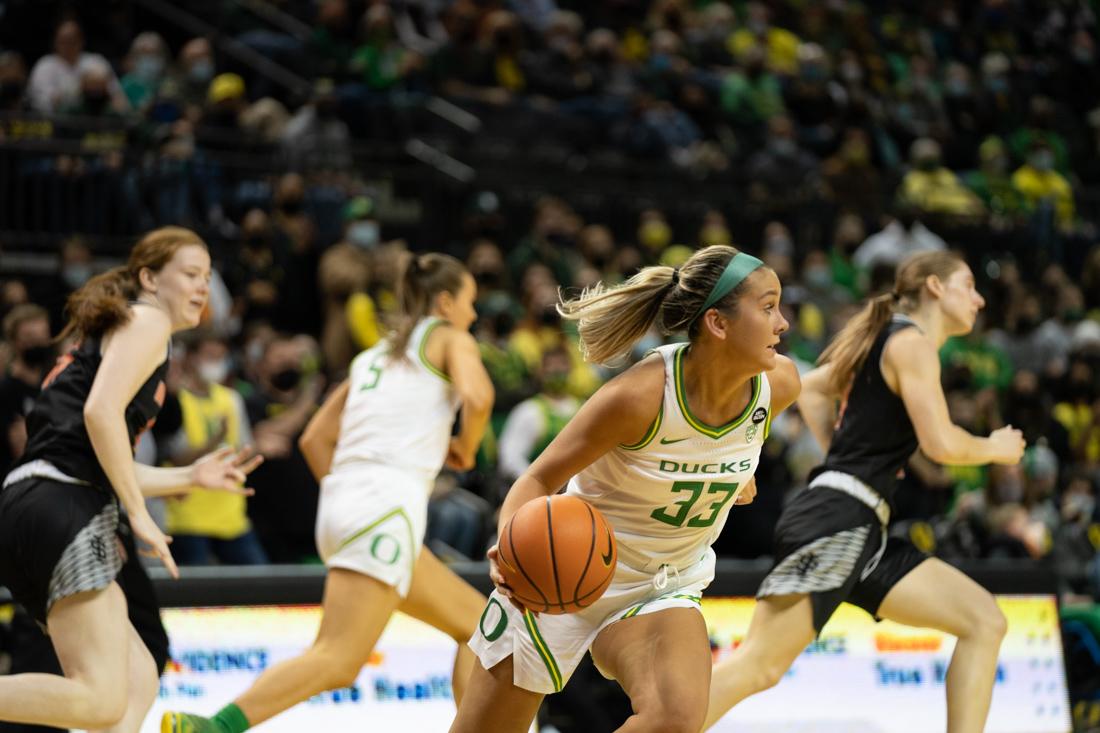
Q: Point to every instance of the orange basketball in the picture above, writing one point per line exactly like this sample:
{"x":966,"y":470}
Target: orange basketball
{"x":557,"y":554}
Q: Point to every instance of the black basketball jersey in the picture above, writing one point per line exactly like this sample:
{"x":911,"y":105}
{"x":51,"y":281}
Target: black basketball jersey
{"x":55,"y":425}
{"x":874,"y":437}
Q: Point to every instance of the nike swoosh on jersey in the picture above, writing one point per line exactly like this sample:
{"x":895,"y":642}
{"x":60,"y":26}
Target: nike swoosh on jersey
{"x":666,"y":441}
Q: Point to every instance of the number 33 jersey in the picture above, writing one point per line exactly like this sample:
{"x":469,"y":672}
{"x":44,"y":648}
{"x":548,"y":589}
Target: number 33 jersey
{"x":668,"y":495}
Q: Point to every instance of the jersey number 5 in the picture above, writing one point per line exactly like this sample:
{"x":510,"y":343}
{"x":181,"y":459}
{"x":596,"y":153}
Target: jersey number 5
{"x":695,"y":489}
{"x":374,"y":373}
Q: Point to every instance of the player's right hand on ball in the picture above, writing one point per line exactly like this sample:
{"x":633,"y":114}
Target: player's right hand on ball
{"x":1008,"y":442}
{"x":498,"y":577}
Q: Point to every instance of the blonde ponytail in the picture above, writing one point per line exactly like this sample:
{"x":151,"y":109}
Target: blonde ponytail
{"x":849,"y":349}
{"x":612,"y":320}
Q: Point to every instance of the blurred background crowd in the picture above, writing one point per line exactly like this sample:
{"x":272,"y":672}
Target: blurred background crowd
{"x":553,"y":144}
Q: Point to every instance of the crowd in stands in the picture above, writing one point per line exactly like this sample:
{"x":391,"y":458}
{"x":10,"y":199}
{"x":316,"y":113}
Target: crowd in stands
{"x":909,"y":126}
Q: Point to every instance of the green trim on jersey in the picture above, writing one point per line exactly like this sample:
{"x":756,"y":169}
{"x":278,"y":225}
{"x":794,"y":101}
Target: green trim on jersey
{"x":710,"y":431}
{"x":358,"y":534}
{"x":650,"y":434}
{"x":636,"y":609}
{"x":544,"y":650}
{"x":422,"y":351}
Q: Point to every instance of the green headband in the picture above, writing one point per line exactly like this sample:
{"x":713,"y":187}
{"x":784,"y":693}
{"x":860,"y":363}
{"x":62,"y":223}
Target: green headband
{"x":739,"y":267}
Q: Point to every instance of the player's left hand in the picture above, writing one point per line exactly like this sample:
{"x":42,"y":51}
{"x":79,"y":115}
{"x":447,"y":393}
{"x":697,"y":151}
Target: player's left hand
{"x":226,"y":470}
{"x":748,"y":493}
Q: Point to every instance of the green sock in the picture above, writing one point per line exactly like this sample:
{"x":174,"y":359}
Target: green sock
{"x":230,"y":719}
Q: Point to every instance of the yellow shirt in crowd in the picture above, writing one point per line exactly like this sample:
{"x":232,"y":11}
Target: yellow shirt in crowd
{"x":216,"y":514}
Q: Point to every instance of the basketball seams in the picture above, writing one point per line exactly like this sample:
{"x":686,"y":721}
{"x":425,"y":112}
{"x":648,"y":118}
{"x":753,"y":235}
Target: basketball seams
{"x":571,"y":569}
{"x":553,"y":554}
{"x":599,"y":589}
{"x":519,"y":565}
{"x":591,"y":552}
{"x":529,"y":603}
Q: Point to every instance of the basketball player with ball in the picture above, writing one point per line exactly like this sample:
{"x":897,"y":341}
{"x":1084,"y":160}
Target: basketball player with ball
{"x":661,"y":453}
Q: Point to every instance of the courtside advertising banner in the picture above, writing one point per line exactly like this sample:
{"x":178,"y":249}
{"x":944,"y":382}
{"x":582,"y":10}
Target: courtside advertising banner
{"x":218,"y":652}
{"x":858,"y":677}
{"x":865,"y":677}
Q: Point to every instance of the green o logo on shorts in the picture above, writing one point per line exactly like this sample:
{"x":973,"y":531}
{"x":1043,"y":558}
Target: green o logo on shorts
{"x":502,"y":623}
{"x":385,"y":548}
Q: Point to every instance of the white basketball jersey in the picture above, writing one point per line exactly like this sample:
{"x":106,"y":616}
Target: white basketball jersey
{"x":668,"y":496}
{"x":399,"y":412}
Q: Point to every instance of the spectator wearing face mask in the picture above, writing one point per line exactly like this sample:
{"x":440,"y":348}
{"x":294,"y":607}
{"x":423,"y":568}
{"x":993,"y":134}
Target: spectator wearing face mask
{"x":903,"y":236}
{"x":1055,"y":335}
{"x":210,"y":525}
{"x":146,"y":63}
{"x":821,"y":299}
{"x":1078,"y":411}
{"x":551,"y":241}
{"x":296,"y":224}
{"x":380,"y":58}
{"x":13,"y":82}
{"x":934,"y":189}
{"x":315,"y":138}
{"x":351,"y":320}
{"x":1040,"y":129}
{"x":1019,"y":335}
{"x":654,"y":232}
{"x":1040,"y":479}
{"x":783,"y":171}
{"x":536,"y":421}
{"x":193,"y":72}
{"x":95,"y":98}
{"x":27,"y":332}
{"x":1043,"y":187}
{"x":286,"y":392}
{"x":751,"y":95}
{"x":75,"y":267}
{"x":815,"y":101}
{"x":993,"y":185}
{"x":983,"y":364}
{"x":541,"y":330}
{"x":1075,"y":551}
{"x":779,"y":45}
{"x":1027,"y":407}
{"x":220,"y":128}
{"x":848,"y":234}
{"x":330,"y":47}
{"x":258,"y":271}
{"x":851,"y":179}
{"x":963,"y":115}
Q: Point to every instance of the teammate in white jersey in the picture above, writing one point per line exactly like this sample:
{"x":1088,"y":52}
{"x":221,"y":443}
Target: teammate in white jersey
{"x":379,"y":441}
{"x":663,"y":450}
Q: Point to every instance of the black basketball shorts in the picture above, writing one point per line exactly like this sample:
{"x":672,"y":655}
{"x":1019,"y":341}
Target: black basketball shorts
{"x":56,"y":540}
{"x":833,"y":547}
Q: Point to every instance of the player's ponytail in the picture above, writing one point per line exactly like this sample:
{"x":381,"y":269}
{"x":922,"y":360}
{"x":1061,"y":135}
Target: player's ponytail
{"x":611,"y":320}
{"x":425,"y":277}
{"x":849,"y":349}
{"x":102,"y":304}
